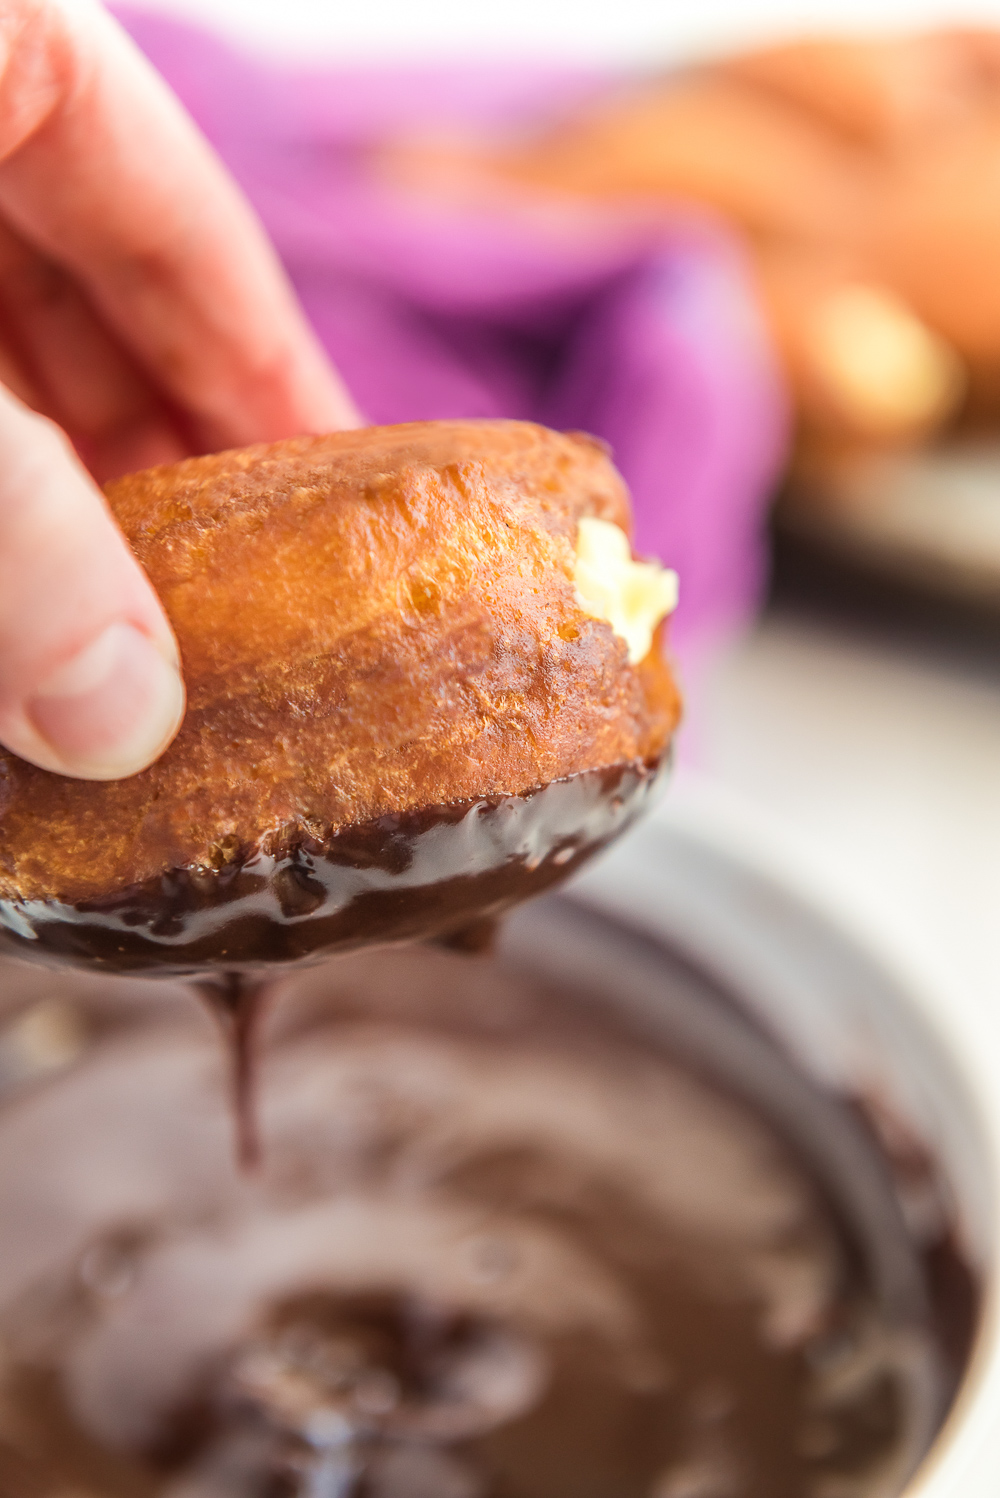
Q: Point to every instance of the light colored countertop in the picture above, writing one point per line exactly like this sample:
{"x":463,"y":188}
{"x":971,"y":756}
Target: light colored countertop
{"x":872,"y":769}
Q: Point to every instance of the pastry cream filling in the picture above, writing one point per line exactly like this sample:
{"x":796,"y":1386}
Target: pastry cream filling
{"x":632,"y":596}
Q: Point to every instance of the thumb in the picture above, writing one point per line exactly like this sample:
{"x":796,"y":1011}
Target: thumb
{"x":90,"y":681}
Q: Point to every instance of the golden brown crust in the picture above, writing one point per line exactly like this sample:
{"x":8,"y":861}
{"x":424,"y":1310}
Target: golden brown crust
{"x":370,"y":622}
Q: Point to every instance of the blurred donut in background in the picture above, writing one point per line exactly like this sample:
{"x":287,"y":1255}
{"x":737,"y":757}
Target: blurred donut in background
{"x":859,"y":174}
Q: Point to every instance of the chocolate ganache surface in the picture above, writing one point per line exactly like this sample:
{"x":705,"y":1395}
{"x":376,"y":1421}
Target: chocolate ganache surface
{"x":504,"y":1242}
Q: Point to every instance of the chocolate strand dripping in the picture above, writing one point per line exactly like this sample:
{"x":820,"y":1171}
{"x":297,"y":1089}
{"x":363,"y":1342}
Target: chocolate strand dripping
{"x":237,"y":1002}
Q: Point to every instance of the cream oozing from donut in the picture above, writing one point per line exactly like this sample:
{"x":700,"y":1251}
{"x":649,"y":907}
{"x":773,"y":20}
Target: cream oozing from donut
{"x":632,"y":596}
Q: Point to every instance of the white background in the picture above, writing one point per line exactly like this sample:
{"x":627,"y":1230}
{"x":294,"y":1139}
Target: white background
{"x":596,"y":31}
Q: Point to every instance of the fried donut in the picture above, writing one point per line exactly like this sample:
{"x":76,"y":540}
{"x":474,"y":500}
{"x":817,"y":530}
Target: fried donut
{"x":407,"y":706}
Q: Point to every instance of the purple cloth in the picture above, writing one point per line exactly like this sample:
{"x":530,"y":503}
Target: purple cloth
{"x":642,"y":333}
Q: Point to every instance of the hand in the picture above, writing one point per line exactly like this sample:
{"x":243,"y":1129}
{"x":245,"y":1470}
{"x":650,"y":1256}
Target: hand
{"x":144,"y":315}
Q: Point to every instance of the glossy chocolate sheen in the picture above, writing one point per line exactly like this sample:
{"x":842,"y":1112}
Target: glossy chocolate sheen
{"x":420,"y":874}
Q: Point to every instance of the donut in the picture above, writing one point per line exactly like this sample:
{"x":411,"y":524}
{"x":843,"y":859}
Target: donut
{"x":852,"y":170}
{"x":424,"y":681}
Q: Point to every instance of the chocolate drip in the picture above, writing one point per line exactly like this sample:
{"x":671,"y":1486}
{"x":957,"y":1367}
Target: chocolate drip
{"x":419,"y":875}
{"x":237,"y":1003}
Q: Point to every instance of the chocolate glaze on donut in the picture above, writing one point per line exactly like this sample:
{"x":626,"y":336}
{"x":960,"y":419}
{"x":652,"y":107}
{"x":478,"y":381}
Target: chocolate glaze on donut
{"x":420,"y":874}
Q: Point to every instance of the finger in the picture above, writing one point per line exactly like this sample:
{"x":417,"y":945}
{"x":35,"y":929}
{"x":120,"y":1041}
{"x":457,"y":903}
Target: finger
{"x":102,"y":171}
{"x":14,"y":377}
{"x":70,"y":368}
{"x":89,"y":673}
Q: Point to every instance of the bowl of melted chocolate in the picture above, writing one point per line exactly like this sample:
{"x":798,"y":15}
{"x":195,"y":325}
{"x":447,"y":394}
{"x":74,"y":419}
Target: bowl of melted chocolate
{"x":612,"y":1211}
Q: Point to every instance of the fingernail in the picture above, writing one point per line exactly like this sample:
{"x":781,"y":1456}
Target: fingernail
{"x":111,"y":710}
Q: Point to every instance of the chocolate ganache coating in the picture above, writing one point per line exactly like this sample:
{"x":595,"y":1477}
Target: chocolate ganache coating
{"x":505,"y":1241}
{"x":401,"y":714}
